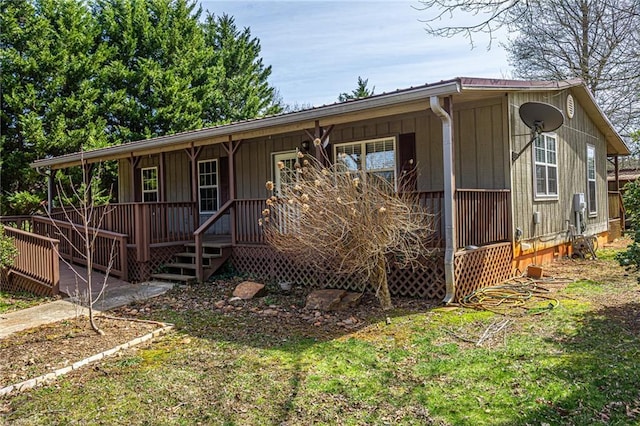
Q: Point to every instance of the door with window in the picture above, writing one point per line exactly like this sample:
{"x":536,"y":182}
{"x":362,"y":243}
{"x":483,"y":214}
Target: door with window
{"x":285,"y":177}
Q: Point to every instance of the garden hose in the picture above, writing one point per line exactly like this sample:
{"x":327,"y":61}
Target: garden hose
{"x":519,"y":292}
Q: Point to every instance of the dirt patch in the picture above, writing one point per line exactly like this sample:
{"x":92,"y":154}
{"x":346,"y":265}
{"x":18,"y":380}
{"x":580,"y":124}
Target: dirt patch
{"x":36,"y":351}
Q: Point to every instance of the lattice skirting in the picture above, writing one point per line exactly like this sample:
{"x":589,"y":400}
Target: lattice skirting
{"x":426,"y":281}
{"x":482,"y":267}
{"x":14,"y":283}
{"x":141,"y":271}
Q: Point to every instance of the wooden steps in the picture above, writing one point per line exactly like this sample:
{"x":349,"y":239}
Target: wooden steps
{"x":183,"y":269}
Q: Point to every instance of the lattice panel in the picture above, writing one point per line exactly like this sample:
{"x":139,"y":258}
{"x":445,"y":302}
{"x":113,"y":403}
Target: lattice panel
{"x":13,"y":283}
{"x":427,"y":281}
{"x":483,"y":267}
{"x":141,"y":271}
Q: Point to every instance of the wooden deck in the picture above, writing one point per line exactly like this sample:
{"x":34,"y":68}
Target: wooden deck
{"x":72,"y":285}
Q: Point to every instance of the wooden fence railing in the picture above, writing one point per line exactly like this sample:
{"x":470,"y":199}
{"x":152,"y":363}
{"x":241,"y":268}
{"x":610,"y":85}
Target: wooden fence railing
{"x":616,"y":206}
{"x":482,"y":216}
{"x":18,"y":222}
{"x":109,"y":248}
{"x":37,"y":259}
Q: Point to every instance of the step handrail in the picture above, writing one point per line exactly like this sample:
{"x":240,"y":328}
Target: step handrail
{"x":198,"y":233}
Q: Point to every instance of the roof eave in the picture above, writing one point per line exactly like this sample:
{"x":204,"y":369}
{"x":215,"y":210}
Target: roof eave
{"x":381,"y":101}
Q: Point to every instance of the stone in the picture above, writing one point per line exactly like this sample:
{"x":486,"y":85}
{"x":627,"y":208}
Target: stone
{"x":324,"y":300}
{"x":350,"y":300}
{"x":332,"y":300}
{"x":236,"y":301}
{"x":247,"y":290}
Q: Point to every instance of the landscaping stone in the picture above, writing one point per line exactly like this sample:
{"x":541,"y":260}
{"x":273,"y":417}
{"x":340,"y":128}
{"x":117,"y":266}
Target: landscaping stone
{"x":332,"y":300}
{"x":247,"y":290}
{"x":324,"y":300}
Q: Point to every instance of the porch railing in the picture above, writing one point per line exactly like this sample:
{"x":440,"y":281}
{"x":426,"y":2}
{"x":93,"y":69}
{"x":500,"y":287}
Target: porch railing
{"x":37,"y":258}
{"x":248,"y":211}
{"x":109,"y":248}
{"x":483,"y":216}
{"x":616,"y":206}
{"x":149,"y":223}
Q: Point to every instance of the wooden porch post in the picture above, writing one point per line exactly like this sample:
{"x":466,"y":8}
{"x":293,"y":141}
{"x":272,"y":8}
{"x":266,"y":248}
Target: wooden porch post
{"x":133,"y":163}
{"x":50,"y":188}
{"x":161,"y":179}
{"x":323,"y":135}
{"x":193,"y":154}
{"x":231,"y":147}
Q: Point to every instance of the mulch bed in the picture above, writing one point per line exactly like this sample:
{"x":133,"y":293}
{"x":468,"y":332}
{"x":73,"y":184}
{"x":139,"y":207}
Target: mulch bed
{"x":41,"y":350}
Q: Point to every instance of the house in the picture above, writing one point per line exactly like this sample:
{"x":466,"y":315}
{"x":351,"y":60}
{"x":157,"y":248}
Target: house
{"x":188,"y":201}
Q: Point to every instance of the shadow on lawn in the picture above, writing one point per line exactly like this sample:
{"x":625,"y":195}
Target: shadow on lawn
{"x":601,"y":365}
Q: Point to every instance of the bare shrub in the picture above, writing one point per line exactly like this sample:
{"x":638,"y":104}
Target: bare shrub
{"x":346,"y":222}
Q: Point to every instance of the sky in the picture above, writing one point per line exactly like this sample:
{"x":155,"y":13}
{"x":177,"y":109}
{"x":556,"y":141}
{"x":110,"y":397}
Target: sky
{"x":318,"y":49}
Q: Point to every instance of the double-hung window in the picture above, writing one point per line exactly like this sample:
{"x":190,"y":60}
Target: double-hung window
{"x":591,"y":180}
{"x":375,"y":157}
{"x":545,"y":168}
{"x":149,"y":184}
{"x":208,"y":185}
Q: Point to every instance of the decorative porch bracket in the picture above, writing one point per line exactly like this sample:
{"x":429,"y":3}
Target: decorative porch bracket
{"x":321,"y":133}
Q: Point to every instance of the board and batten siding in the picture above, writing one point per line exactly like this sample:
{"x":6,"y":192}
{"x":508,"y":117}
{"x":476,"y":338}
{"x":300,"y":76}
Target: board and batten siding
{"x":572,"y":140}
{"x":254,"y":162}
{"x":480,"y":143}
{"x":481,"y":154}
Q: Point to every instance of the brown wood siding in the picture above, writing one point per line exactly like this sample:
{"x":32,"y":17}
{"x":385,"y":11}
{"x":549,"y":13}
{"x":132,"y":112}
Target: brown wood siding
{"x":481,"y":150}
{"x":572,"y":140}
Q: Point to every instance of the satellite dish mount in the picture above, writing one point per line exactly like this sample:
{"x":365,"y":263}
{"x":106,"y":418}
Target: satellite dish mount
{"x":539,"y":117}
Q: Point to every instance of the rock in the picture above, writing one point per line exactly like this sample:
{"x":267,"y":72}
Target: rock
{"x":350,"y":300}
{"x":236,"y":301}
{"x":219,"y":304}
{"x":332,"y":300}
{"x":324,"y":300}
{"x":248,"y":290}
{"x":270,"y":312}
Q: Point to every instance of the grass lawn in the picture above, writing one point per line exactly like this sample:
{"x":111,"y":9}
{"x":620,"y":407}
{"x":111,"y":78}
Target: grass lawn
{"x":577,"y":364}
{"x":10,"y":302}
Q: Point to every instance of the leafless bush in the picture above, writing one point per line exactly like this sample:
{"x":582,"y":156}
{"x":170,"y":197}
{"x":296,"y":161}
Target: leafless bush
{"x":346,"y":222}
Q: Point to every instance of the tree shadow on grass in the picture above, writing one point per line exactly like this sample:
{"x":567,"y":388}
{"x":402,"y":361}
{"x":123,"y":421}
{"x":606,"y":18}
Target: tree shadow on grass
{"x":600,"y":366}
{"x":262,"y":331}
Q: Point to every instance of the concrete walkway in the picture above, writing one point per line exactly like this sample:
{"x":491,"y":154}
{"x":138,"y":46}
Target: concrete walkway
{"x":65,"y":309}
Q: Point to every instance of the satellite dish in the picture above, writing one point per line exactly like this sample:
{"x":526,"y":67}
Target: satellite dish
{"x":539,"y":117}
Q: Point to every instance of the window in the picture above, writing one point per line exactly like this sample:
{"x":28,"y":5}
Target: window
{"x":591,"y":179}
{"x":208,"y":185}
{"x":546,"y":167}
{"x":149,"y":184}
{"x":377,"y":157}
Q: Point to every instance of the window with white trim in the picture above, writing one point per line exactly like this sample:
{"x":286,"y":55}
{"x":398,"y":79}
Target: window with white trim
{"x":149,"y":180}
{"x":591,"y":180}
{"x":376,"y":157}
{"x":545,"y":170}
{"x":208,"y":185}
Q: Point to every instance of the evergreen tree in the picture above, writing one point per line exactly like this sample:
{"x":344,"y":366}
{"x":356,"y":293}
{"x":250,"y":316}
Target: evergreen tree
{"x":244,"y":86}
{"x":49,"y":64}
{"x":362,"y":91}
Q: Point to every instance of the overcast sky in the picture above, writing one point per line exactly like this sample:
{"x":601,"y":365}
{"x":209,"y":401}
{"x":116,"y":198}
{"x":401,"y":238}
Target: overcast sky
{"x":319,"y":48}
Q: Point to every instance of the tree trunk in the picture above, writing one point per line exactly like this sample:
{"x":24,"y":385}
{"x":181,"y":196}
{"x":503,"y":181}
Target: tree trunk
{"x":382,"y":286}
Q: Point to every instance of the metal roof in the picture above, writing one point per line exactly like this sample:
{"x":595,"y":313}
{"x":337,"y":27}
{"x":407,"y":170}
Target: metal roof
{"x":306,"y":118}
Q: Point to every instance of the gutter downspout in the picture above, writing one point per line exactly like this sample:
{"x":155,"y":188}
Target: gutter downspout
{"x":449,"y":204}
